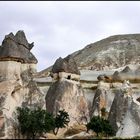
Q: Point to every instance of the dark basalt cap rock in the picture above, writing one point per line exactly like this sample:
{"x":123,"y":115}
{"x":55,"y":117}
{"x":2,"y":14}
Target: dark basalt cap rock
{"x":138,"y":99}
{"x":126,"y":69}
{"x":101,"y":77}
{"x":17,"y":48}
{"x":67,"y":64}
{"x":116,"y":76}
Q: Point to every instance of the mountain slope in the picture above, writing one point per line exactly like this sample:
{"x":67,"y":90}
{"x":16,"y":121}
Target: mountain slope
{"x":109,"y":53}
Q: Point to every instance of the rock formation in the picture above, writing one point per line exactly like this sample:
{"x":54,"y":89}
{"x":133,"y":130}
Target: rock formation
{"x":67,"y":65}
{"x":125,"y":74}
{"x":110,"y":77}
{"x":124,"y":113}
{"x":130,"y":126}
{"x":17,"y":48}
{"x":103,"y":98}
{"x":65,"y":68}
{"x":17,"y":88}
{"x":66,"y":93}
{"x":117,"y":91}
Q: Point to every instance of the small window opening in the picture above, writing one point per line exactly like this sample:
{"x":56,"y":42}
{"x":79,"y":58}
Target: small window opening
{"x":69,"y":77}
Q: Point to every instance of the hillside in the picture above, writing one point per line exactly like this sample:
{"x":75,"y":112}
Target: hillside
{"x":109,"y":53}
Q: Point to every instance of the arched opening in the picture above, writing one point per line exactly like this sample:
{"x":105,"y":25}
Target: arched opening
{"x":138,"y":99}
{"x":69,"y":77}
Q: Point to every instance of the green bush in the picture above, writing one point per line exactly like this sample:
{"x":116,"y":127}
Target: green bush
{"x":100,"y":125}
{"x":33,"y":123}
{"x":61,"y":120}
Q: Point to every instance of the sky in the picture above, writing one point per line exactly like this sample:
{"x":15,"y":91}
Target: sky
{"x":59,"y":28}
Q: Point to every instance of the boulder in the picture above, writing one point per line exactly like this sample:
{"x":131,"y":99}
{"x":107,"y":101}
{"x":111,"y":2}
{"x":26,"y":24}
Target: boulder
{"x":17,"y":48}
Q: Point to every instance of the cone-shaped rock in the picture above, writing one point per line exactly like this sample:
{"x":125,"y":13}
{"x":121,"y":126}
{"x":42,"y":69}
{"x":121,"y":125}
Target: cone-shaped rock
{"x":67,"y":95}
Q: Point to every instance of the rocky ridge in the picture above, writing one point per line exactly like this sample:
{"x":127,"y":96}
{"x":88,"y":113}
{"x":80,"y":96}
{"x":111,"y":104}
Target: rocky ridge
{"x":110,"y":53}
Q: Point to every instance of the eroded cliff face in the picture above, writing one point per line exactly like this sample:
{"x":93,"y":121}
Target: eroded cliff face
{"x":17,"y":89}
{"x":81,"y":96}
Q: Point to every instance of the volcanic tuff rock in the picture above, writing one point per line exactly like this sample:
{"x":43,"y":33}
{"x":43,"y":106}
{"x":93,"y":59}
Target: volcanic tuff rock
{"x":118,"y":109}
{"x":65,"y":94}
{"x":124,"y":113}
{"x":103,"y":98}
{"x":107,"y":88}
{"x":127,"y":74}
{"x":17,"y":87}
{"x":130,"y":126}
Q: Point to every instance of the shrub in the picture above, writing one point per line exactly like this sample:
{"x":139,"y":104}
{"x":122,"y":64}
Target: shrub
{"x":100,"y":125}
{"x":95,"y":124}
{"x":33,"y":123}
{"x":61,"y":120}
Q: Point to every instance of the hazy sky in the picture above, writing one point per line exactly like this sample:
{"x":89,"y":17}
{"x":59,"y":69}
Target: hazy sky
{"x":59,"y":28}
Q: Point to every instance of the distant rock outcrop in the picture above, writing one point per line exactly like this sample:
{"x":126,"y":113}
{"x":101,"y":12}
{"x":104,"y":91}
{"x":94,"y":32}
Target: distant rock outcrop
{"x":126,"y":74}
